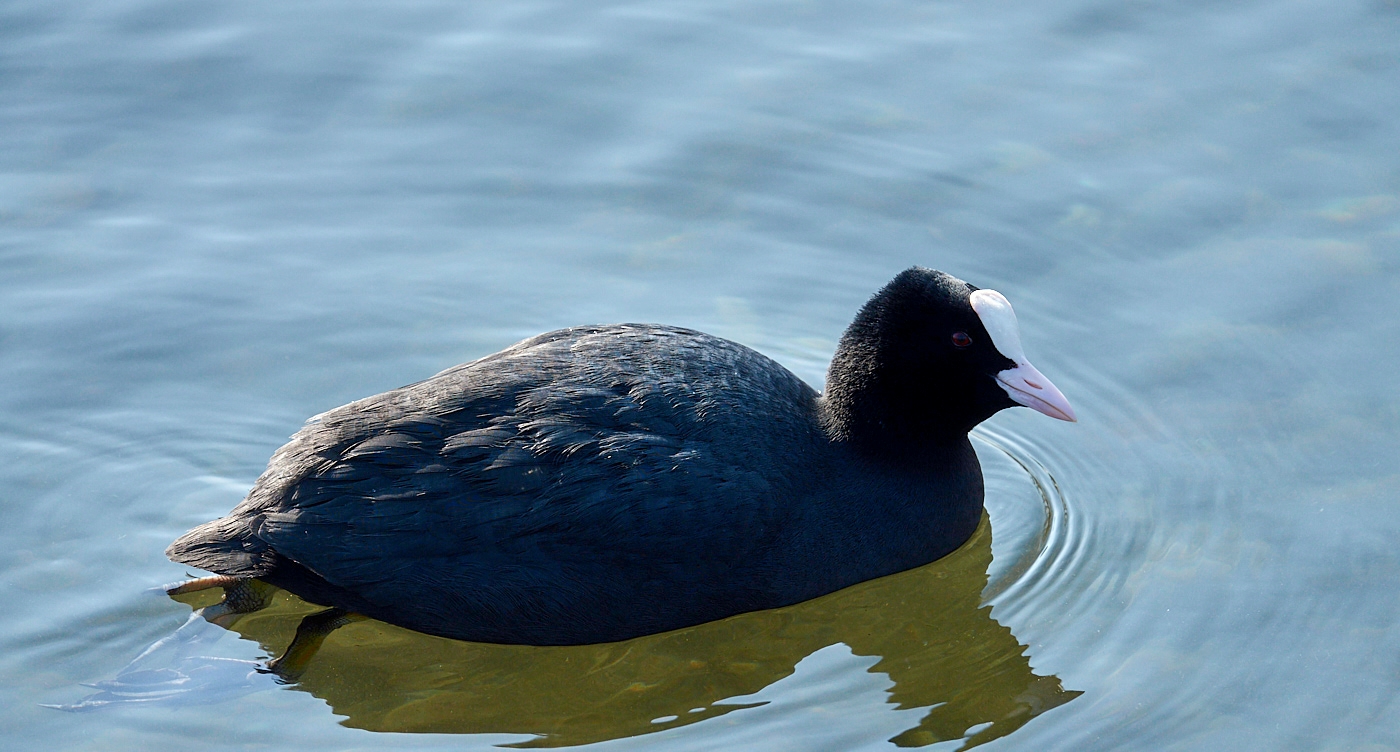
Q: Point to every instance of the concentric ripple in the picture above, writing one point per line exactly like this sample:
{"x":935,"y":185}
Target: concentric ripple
{"x":1029,"y":514}
{"x":1083,"y":518}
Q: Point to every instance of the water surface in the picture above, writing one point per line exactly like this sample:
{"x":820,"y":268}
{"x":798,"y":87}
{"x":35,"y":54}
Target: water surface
{"x":217,"y":221}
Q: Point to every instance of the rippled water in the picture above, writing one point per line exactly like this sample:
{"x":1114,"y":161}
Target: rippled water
{"x":216,"y":221}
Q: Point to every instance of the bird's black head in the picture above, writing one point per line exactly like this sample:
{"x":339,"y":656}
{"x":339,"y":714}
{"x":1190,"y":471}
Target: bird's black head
{"x":926,"y":359}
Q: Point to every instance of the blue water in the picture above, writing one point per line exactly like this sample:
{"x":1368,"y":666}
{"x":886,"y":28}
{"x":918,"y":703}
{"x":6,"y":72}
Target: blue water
{"x":218,"y":220}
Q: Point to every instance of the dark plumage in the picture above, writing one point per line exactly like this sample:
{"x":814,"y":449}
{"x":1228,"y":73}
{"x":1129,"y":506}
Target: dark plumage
{"x":603,"y":482}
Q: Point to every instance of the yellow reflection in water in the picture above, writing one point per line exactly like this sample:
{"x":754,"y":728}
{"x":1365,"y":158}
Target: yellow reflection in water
{"x":934,"y":639}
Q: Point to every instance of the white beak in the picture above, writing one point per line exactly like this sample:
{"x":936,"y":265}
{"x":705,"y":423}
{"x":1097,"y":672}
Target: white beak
{"x":1028,"y":387}
{"x":1023,"y":382}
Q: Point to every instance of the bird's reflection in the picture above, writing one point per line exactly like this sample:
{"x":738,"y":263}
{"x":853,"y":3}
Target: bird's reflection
{"x":927,"y":627}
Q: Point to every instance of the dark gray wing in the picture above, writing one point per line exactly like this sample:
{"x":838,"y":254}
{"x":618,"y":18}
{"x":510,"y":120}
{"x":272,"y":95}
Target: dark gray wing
{"x":566,"y":459}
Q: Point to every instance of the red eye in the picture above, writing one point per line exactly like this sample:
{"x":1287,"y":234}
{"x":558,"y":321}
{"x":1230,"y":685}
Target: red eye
{"x":960,"y":339}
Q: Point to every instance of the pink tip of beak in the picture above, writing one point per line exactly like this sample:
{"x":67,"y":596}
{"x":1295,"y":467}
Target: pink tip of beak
{"x":1027,"y":386}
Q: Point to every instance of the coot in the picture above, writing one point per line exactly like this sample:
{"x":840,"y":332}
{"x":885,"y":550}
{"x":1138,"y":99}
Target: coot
{"x":599,"y":483}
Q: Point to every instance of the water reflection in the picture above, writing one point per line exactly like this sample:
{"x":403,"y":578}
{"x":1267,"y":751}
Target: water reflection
{"x":932,"y":635}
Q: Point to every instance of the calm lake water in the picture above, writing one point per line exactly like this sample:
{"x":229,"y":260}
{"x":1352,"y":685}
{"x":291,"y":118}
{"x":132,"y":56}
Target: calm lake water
{"x":218,"y":220}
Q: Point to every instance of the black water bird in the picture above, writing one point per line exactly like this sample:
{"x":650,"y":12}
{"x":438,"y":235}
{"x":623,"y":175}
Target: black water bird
{"x":600,"y":483}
